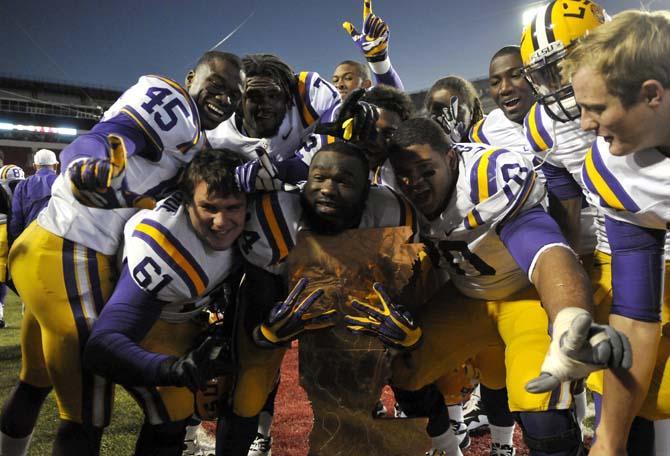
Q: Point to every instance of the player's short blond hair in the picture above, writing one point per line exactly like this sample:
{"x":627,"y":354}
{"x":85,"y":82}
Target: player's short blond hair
{"x":632,"y":48}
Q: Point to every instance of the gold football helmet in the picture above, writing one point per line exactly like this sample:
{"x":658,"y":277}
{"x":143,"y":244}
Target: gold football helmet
{"x":546,"y":40}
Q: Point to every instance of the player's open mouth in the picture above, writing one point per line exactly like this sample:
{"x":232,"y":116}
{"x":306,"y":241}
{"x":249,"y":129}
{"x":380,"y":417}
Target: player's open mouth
{"x":512,"y":103}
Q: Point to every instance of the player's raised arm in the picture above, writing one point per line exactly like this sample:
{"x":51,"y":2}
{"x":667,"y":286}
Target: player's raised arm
{"x":373,"y":42}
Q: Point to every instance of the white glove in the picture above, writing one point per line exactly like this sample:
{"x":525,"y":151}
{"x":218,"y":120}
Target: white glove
{"x":579,"y":347}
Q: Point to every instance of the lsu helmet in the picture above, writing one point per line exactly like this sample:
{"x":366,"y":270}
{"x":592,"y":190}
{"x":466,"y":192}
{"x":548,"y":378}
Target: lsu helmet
{"x":10,"y":173}
{"x":546,"y":40}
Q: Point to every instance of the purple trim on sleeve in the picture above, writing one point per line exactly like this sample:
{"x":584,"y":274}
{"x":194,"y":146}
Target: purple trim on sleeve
{"x":390,"y":78}
{"x":113,"y":349}
{"x":527,"y":233}
{"x":94,"y":143}
{"x":637,"y":270}
{"x":560,"y":182}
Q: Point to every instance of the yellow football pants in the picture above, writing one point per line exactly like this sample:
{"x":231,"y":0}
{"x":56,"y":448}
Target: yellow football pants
{"x":63,"y":286}
{"x":456,"y":328}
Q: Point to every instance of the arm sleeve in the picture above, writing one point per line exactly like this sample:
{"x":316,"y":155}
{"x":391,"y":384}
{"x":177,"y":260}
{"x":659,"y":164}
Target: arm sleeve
{"x":637,"y":270}
{"x":94,"y":143}
{"x":17,"y":220}
{"x":529,"y":234}
{"x":384,"y":73}
{"x":113,"y":349}
{"x":560,"y":182}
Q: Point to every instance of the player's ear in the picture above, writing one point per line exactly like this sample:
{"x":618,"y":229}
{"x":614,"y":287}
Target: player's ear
{"x":451,"y":159}
{"x":652,"y":92}
{"x":366,"y":84}
{"x":189,"y":79}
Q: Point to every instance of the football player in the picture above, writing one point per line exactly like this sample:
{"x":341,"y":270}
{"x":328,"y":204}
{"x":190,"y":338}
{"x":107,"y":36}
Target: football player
{"x":453,"y":103}
{"x":132,"y":157}
{"x":503,"y":127}
{"x":373,"y":42}
{"x":152,"y":334}
{"x":32,"y":195}
{"x":620,"y":79}
{"x":554,"y":136}
{"x":394,"y":107}
{"x":336,"y":197}
{"x":484,"y":219}
{"x":278,"y":114}
{"x":10,"y":177}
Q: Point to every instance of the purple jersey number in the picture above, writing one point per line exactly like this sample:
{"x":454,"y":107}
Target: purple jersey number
{"x":157,"y":97}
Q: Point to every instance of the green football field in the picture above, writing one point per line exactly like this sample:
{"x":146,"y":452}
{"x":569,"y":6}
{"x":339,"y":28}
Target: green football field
{"x":119,"y":438}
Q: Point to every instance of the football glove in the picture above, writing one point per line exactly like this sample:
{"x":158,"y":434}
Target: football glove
{"x":290,"y":318}
{"x":374,"y":39}
{"x":261,"y":174}
{"x":449,"y":122}
{"x":579,"y":347}
{"x":392,"y":324}
{"x":195,"y":368}
{"x":356,"y":120}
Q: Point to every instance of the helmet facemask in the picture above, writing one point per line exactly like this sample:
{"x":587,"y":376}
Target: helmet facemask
{"x":544,"y":76}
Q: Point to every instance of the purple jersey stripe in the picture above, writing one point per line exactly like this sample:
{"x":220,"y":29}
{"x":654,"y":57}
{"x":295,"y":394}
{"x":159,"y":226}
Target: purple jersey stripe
{"x":180,"y":247}
{"x":522,"y":196}
{"x":480,"y":133}
{"x":168,"y":259}
{"x":148,"y":129}
{"x":611,"y":181}
{"x":491,"y":171}
{"x":546,"y":137}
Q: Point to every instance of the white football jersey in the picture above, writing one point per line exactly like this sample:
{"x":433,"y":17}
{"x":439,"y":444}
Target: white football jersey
{"x":275,"y":218}
{"x":564,"y":145}
{"x":169,"y":118}
{"x":494,"y":185}
{"x":314,"y":98}
{"x":167,"y":259}
{"x":496,"y":129}
{"x":634,"y":188}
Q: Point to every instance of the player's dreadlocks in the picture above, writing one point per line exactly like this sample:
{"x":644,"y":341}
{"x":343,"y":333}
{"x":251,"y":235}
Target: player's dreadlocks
{"x":465,"y":92}
{"x":210,"y":56}
{"x":272,"y":67}
{"x":391,"y":99}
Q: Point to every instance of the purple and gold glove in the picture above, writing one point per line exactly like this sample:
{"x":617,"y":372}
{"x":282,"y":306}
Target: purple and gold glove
{"x":392,"y":324}
{"x":99,"y":182}
{"x":288,"y":319}
{"x":374,"y":39}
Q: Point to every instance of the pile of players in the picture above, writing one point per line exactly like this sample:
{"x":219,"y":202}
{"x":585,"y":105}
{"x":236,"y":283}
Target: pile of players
{"x":158,"y":263}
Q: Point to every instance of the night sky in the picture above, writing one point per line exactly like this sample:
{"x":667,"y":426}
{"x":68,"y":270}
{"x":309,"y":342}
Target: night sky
{"x":112,"y":43}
